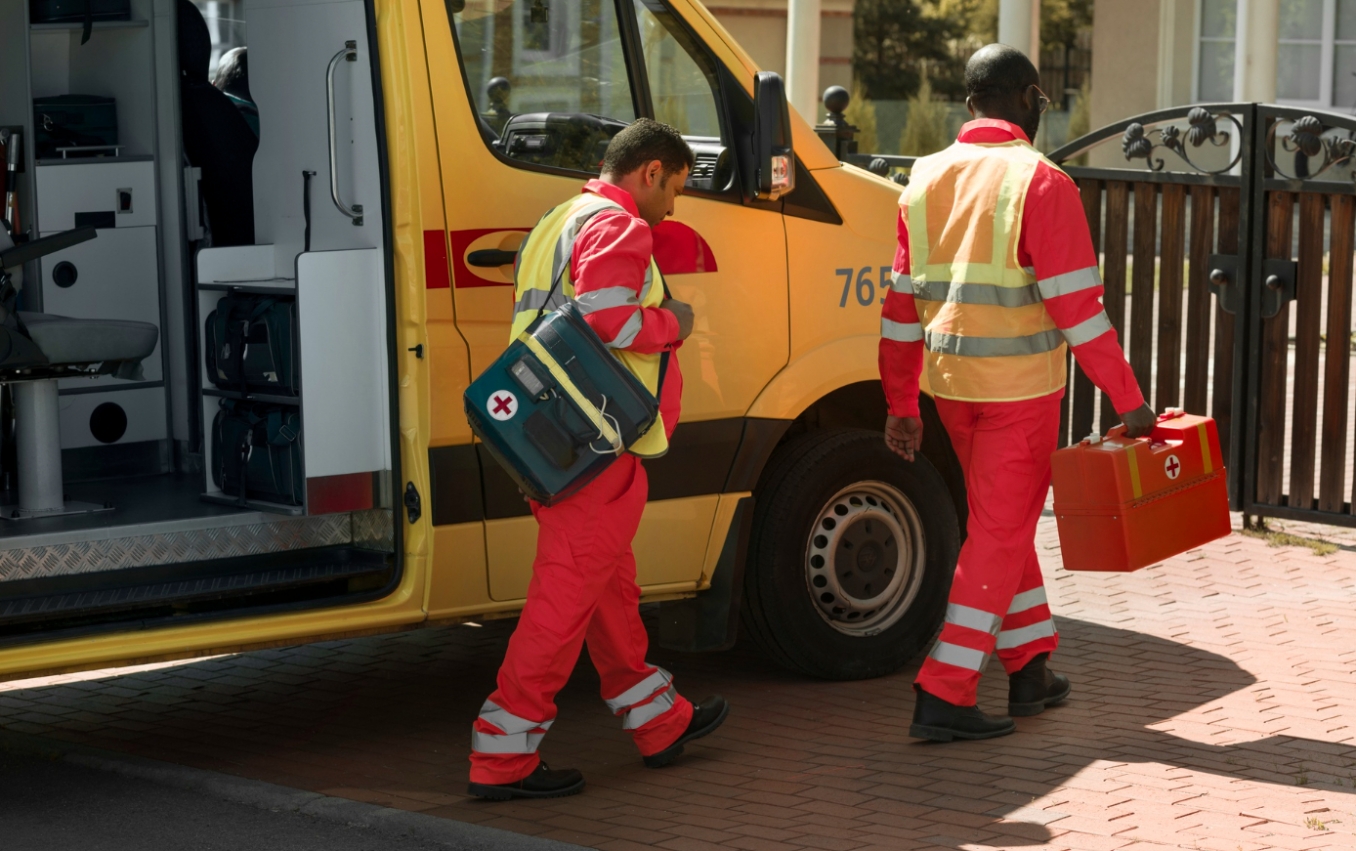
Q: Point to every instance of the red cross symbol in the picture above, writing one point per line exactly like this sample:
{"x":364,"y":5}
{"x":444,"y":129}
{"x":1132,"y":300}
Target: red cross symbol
{"x":502,"y":405}
{"x":1173,"y":467}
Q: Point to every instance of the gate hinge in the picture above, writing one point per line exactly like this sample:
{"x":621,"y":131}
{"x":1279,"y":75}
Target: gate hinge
{"x":414,"y":507}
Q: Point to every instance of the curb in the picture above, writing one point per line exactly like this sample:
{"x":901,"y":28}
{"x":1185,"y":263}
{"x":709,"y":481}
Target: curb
{"x":450,"y":833}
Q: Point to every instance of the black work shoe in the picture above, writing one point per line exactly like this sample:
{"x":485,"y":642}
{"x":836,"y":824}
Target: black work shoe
{"x":1035,"y":687}
{"x":541,"y":783}
{"x":706,"y":717}
{"x":939,"y":721}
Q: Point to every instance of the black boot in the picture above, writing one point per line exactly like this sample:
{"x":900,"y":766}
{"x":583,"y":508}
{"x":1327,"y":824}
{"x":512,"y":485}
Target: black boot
{"x":706,"y":717}
{"x":1035,"y":687}
{"x":542,"y":783}
{"x":935,"y":719}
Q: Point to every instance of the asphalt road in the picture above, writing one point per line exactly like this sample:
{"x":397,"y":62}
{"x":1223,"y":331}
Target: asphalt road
{"x":49,"y":805}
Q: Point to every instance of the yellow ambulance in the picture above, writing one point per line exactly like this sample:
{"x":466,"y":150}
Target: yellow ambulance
{"x":261,"y":280}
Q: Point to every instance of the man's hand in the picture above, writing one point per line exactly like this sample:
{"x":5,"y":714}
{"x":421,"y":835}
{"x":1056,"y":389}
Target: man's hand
{"x":682,"y":311}
{"x":1139,"y":422}
{"x":904,"y":435}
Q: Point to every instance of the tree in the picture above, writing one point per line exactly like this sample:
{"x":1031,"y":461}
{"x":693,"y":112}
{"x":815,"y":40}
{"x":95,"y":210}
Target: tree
{"x":895,"y":42}
{"x":1062,"y":20}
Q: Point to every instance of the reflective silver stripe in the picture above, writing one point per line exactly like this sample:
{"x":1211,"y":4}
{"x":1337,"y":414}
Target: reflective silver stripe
{"x":1027,"y":600}
{"x":1088,"y":330}
{"x":972,"y":618}
{"x":1010,"y":638}
{"x":537,"y":300}
{"x":642,"y":715}
{"x":1070,"y":282}
{"x":492,"y":713}
{"x":961,"y":657}
{"x":628,"y":333}
{"x":901,"y":283}
{"x":976,"y":293}
{"x":607,"y":297}
{"x":649,"y":282}
{"x":516,"y":743}
{"x":657,"y":681}
{"x":993,"y":347}
{"x":901,"y":332}
{"x":568,"y":234}
{"x":518,"y":735}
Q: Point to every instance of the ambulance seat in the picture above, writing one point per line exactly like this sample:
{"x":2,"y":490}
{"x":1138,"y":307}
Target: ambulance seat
{"x":115,"y":347}
{"x":39,"y":349}
{"x":82,"y":342}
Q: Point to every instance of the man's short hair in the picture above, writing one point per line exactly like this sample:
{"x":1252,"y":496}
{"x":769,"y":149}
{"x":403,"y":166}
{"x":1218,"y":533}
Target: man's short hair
{"x":644,"y":141}
{"x":997,"y":73}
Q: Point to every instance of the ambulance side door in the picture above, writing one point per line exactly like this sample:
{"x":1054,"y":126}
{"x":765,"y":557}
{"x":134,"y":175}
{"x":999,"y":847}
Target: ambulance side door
{"x":508,"y":79}
{"x":736,"y":283}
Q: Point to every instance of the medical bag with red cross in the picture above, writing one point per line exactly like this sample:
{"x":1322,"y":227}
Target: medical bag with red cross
{"x":1124,"y":504}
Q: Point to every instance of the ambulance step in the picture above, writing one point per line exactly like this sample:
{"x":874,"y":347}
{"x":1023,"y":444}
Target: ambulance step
{"x":211,"y":587}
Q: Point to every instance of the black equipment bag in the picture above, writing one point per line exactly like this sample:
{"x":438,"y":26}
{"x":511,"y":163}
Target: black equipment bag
{"x":256,"y":452}
{"x":251,"y":343}
{"x":74,"y":121}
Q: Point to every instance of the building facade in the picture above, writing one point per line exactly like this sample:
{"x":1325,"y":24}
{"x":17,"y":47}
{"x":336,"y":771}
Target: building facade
{"x":1153,"y":54}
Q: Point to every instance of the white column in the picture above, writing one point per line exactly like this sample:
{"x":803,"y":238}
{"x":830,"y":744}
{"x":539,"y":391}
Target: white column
{"x":802,"y":57}
{"x":1019,"y":26}
{"x":1255,"y":49}
{"x":1167,"y":52}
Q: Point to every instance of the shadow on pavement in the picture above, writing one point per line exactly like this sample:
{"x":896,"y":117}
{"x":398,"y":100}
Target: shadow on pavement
{"x":386,"y":720}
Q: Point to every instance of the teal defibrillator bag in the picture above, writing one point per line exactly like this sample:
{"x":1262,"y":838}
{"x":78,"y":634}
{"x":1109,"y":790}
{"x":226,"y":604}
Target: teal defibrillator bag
{"x":557,"y":407}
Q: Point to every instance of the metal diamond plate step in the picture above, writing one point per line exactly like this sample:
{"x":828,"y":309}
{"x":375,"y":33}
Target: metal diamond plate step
{"x":324,"y":566}
{"x":215,"y":538}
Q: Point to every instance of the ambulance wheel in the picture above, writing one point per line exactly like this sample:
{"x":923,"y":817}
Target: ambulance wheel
{"x":851,"y":557}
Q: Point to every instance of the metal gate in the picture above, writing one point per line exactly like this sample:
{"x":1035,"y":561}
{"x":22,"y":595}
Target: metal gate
{"x":1227,"y":234}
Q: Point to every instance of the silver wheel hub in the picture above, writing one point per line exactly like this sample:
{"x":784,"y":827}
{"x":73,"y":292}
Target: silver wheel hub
{"x":864,"y":560}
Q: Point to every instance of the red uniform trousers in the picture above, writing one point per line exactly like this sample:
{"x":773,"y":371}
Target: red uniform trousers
{"x":997,"y":598}
{"x":583,"y":589}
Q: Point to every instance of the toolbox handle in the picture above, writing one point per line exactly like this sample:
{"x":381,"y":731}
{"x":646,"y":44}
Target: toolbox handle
{"x":1118,"y":431}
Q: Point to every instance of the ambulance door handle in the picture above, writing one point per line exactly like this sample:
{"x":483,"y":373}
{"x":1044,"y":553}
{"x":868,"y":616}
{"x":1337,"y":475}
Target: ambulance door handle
{"x":350,"y":54}
{"x":491,"y":257}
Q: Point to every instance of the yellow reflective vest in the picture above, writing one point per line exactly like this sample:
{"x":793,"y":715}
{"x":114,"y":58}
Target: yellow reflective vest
{"x":987,"y":334}
{"x":544,"y":259}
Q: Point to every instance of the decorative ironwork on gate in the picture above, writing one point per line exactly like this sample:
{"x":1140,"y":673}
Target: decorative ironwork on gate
{"x":1226,"y":234}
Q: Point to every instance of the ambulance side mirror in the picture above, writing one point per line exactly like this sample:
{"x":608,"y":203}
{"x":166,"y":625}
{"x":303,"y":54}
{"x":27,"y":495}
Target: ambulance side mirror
{"x":775,"y":171}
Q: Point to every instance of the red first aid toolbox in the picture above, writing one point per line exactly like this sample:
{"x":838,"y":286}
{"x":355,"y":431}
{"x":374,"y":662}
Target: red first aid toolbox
{"x":1124,"y":504}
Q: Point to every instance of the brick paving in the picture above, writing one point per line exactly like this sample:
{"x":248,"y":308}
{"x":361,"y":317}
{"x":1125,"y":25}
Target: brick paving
{"x":1213,"y":706}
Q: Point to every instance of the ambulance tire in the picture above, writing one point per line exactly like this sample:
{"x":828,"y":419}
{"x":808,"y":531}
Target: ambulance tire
{"x":783,"y":613}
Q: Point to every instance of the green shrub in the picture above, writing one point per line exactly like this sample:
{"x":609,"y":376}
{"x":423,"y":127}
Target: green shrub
{"x":861,"y":113}
{"x":1080,"y":117}
{"x":926,"y":131}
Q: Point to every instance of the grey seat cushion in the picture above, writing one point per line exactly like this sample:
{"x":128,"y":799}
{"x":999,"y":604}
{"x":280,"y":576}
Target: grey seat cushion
{"x":68,"y":341}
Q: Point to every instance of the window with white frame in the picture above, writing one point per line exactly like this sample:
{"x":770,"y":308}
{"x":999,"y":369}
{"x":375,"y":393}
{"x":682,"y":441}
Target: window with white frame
{"x":1344,"y":56}
{"x":1215,"y":52}
{"x":1315,"y":56}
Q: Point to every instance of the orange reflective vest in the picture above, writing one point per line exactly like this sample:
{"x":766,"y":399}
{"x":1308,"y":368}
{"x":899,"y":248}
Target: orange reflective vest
{"x":988,"y":336}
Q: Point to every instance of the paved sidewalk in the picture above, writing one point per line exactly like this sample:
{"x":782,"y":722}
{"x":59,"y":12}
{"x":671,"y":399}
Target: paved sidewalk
{"x":1213,"y":706}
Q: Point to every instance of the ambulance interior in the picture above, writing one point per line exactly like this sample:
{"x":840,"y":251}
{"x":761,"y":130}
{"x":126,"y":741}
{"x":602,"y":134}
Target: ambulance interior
{"x":196,"y":378}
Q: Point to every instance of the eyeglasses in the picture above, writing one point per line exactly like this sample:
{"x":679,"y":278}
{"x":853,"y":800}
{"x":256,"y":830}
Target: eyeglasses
{"x":1042,"y":102}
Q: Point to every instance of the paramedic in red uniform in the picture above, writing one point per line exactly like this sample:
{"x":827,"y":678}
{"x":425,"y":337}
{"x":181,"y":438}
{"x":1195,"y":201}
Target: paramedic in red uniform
{"x":583,"y":588}
{"x":995,"y":275}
